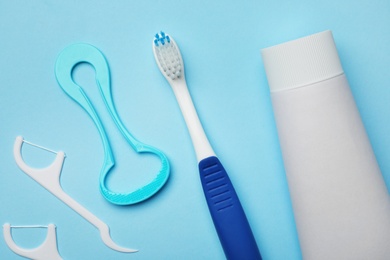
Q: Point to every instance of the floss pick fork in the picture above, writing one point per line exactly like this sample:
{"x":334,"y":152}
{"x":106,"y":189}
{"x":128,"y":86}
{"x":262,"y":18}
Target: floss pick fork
{"x":46,"y":251}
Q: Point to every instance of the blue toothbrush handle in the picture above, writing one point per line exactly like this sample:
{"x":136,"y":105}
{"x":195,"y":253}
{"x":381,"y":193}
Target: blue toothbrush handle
{"x":226,"y":211}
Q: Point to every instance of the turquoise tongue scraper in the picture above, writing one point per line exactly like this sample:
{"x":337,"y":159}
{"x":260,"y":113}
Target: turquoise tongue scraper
{"x":67,"y":60}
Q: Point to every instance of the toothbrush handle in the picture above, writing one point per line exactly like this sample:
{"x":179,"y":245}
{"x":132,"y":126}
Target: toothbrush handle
{"x":226,"y":211}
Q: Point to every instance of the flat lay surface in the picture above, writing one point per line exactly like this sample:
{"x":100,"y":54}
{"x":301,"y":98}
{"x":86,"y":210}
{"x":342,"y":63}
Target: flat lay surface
{"x":220,"y":43}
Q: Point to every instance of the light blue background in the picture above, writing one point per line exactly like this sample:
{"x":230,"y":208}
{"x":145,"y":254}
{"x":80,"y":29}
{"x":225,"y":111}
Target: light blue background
{"x":220,"y":43}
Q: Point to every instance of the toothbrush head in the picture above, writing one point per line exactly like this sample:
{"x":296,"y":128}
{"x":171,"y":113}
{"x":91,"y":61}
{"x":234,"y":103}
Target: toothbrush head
{"x":168,"y":57}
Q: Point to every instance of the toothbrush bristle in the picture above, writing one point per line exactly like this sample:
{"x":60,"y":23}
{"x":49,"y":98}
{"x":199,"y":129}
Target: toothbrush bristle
{"x":168,"y":56}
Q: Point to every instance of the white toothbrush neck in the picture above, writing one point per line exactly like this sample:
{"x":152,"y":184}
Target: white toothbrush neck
{"x":200,"y":142}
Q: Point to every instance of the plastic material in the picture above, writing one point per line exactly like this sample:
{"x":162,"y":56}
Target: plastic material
{"x":46,"y":251}
{"x":67,"y":60}
{"x":226,"y":211}
{"x":49,"y":178}
{"x":228,"y":215}
{"x":301,"y":62}
{"x":340,"y":201}
{"x":170,"y":63}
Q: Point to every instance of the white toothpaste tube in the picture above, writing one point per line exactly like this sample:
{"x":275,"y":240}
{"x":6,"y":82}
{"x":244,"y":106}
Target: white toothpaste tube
{"x":340,"y":201}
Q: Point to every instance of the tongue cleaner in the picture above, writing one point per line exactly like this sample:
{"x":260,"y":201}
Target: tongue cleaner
{"x":67,"y":60}
{"x":49,"y":178}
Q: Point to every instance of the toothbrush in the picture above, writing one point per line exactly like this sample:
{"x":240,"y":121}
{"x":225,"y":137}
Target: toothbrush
{"x":229,"y":219}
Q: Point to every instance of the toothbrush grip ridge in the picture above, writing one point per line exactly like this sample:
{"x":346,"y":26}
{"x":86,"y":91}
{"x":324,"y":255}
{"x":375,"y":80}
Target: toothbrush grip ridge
{"x":226,"y":211}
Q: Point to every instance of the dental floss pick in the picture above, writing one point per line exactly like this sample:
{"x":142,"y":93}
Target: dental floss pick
{"x":48,"y":250}
{"x":66,"y":61}
{"x":49,"y":178}
{"x":340,"y":201}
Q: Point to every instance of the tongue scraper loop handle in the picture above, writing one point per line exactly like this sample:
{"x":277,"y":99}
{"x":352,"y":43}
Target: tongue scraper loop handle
{"x":49,"y":178}
{"x":67,"y":60}
{"x":47,"y":250}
